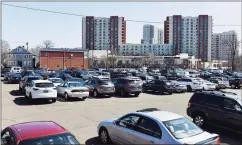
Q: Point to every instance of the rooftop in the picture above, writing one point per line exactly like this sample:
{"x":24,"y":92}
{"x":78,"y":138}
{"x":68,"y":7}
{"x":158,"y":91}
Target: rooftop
{"x":38,"y":129}
{"x":64,"y":49}
{"x":160,"y":115}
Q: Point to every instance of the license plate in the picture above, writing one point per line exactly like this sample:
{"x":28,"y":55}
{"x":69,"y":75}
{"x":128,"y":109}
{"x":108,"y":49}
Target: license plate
{"x":45,"y":91}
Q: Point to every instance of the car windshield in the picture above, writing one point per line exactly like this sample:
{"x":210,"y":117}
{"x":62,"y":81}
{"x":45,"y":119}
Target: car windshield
{"x":65,"y":138}
{"x":44,"y":85}
{"x":56,"y":80}
{"x":76,"y":84}
{"x":182,"y":128}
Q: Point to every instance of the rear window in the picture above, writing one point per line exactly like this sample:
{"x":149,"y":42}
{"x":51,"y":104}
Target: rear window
{"x":44,"y":85}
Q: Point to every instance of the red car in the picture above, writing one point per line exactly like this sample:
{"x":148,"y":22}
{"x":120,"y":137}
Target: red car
{"x":37,"y":133}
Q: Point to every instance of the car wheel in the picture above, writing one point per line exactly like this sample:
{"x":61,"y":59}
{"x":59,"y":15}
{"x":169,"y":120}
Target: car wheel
{"x":232,"y":86}
{"x":136,"y":95}
{"x":53,"y":100}
{"x":104,"y":136}
{"x":199,"y":120}
{"x":95,"y":93}
{"x":189,"y":88}
{"x":122,"y":93}
{"x":66,"y":96}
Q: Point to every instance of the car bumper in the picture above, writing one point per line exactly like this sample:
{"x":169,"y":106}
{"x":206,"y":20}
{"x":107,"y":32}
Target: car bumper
{"x":106,"y":91}
{"x":79,"y":95}
{"x":181,"y":89}
{"x":45,"y":95}
{"x":197,"y":87}
{"x":134,"y":91}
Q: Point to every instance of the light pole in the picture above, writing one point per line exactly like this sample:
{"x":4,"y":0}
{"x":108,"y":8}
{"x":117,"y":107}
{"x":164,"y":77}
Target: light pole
{"x":46,"y":55}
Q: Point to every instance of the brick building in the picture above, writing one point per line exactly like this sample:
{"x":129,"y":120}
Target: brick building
{"x":61,"y":58}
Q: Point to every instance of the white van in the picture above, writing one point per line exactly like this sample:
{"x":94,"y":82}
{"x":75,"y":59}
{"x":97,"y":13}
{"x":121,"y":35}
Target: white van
{"x":16,"y":69}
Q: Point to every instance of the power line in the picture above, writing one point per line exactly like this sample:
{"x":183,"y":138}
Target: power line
{"x":79,"y":15}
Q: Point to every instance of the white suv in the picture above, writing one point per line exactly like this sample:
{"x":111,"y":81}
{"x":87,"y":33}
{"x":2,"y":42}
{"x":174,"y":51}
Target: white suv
{"x":41,"y":89}
{"x":193,"y":84}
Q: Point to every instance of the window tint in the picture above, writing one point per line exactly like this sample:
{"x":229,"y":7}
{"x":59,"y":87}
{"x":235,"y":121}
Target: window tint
{"x":198,"y":98}
{"x":214,"y":101}
{"x":149,"y":127}
{"x":231,"y":104}
{"x":128,"y":121}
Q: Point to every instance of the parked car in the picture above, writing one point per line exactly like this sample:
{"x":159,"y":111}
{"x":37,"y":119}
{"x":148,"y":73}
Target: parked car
{"x":27,"y":72}
{"x":127,"y":85}
{"x":27,"y":79}
{"x":41,"y":89}
{"x":153,"y":126}
{"x":207,"y":85}
{"x":216,"y":107}
{"x":146,"y":79}
{"x":6,"y":76}
{"x":159,"y":86}
{"x":235,"y":83}
{"x":65,"y":76}
{"x":88,"y":75}
{"x":192,"y":84}
{"x":72,"y":89}
{"x":75,"y":80}
{"x":222,"y":81}
{"x":56,"y":81}
{"x":29,"y":133}
{"x":14,"y":78}
{"x":16,"y":69}
{"x":100,"y":87}
{"x":103,"y":74}
{"x":179,"y":88}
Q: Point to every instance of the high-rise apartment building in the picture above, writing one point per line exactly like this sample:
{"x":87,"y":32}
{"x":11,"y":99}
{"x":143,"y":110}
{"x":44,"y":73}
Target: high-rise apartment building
{"x":190,"y":35}
{"x":151,"y":35}
{"x":221,"y":45}
{"x":103,"y":33}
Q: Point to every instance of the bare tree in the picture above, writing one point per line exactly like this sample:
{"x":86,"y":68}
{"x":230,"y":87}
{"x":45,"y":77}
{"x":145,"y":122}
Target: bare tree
{"x":47,"y":44}
{"x":4,"y":50}
{"x":232,"y":45}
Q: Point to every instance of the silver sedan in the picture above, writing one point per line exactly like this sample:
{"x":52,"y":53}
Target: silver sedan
{"x":153,"y":126}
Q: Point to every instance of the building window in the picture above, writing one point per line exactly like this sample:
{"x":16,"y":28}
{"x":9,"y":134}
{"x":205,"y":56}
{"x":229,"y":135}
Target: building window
{"x":25,"y":56}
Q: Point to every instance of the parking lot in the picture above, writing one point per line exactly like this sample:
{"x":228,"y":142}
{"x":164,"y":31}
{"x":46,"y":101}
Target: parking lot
{"x":82,"y":117}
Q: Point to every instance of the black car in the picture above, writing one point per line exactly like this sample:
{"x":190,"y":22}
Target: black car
{"x":26,"y":80}
{"x":14,"y":78}
{"x":160,"y":86}
{"x":127,"y":85}
{"x":216,"y":107}
{"x":235,"y":83}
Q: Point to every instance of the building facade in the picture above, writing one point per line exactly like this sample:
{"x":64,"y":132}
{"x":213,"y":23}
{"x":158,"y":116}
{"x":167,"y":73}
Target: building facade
{"x":20,"y":57}
{"x":103,"y":33}
{"x":152,"y":35}
{"x":221,"y":48}
{"x":145,"y":49}
{"x":190,"y":35}
{"x":62,"y":58}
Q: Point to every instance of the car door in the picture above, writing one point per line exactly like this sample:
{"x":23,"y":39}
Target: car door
{"x":59,"y":88}
{"x":232,"y":115}
{"x":119,"y":85}
{"x":63,"y":88}
{"x":90,"y":85}
{"x":147,"y":132}
{"x":124,"y":129}
{"x":8,"y":137}
{"x":150,"y":85}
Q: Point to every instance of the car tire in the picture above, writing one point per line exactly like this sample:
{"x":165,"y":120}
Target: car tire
{"x":122,"y":93}
{"x":136,"y":95}
{"x":104,"y":136}
{"x":95,"y":94}
{"x":53,"y":100}
{"x":200,"y":120}
{"x":232,"y":86}
{"x":189,"y":88}
{"x":67,"y":98}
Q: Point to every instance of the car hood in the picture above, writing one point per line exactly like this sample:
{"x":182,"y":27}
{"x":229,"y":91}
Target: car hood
{"x":198,"y":138}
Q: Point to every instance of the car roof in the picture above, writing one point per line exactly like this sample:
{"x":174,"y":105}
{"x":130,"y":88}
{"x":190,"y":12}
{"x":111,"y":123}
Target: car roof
{"x":160,"y":115}
{"x":42,"y":81}
{"x":37,"y":129}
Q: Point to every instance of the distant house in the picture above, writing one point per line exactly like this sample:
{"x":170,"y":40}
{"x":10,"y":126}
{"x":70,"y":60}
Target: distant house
{"x":20,"y":57}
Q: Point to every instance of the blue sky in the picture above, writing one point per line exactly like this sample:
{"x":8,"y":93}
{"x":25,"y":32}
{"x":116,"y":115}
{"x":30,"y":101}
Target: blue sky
{"x":21,"y":25}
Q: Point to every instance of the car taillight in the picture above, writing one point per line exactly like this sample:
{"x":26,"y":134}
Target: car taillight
{"x":218,"y":140}
{"x":189,"y":104}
